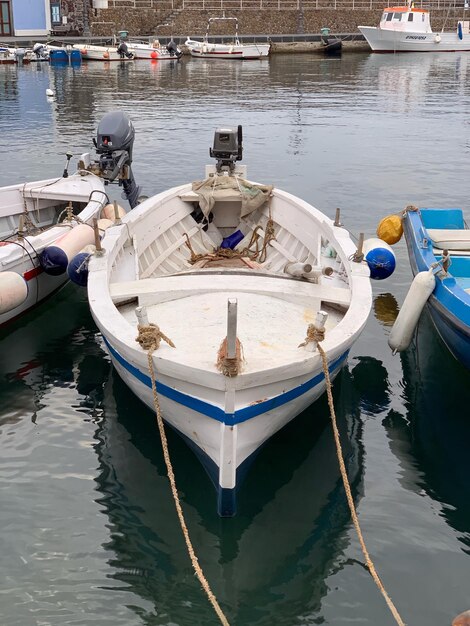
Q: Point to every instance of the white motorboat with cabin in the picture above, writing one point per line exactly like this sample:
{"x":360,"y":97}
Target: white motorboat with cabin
{"x":239,"y":277}
{"x":206,"y":49}
{"x":408,"y":29}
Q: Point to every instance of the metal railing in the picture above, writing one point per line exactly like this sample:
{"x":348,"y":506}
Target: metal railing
{"x":275,"y":5}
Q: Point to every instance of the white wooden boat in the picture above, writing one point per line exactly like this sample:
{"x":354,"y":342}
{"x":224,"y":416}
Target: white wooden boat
{"x":154,"y":50}
{"x":408,"y":29}
{"x":205,"y":49}
{"x":91,"y":52}
{"x":34,"y":217}
{"x":253,"y":303}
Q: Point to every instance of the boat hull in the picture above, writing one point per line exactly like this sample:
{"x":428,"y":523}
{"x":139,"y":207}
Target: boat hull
{"x":382,"y":40}
{"x":99,"y":53}
{"x":205,"y":50}
{"x":213,"y":434}
{"x":153,"y":54}
{"x":449,"y":304}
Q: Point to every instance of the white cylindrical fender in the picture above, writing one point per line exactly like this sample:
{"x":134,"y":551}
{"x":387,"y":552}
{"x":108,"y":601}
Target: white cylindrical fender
{"x":109,"y":213}
{"x":54,"y":259}
{"x":402,"y":331}
{"x":103,"y":225}
{"x":13,"y":291}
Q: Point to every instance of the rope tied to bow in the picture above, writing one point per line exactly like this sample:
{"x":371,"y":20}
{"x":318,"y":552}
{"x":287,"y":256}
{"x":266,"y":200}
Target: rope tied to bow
{"x":151,"y":336}
{"x":314,"y":335}
{"x":229,"y":366}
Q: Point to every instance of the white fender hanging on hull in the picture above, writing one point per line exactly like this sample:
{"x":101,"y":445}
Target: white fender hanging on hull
{"x":421,"y":288}
{"x":13,"y":291}
{"x":54,"y":259}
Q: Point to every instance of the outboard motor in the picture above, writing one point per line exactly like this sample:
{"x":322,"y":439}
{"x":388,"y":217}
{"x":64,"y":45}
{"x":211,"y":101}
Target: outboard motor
{"x":40,"y":51}
{"x":227,"y":148}
{"x":114,"y":142}
{"x":174,"y":50}
{"x":123,"y":51}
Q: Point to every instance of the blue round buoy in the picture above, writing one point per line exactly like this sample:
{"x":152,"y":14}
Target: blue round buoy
{"x":380,"y":258}
{"x":78,"y":269}
{"x":53,"y":260}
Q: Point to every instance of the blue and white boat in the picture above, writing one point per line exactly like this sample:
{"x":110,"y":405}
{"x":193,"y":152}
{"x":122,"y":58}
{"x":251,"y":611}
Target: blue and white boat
{"x":438,"y":243}
{"x":237,"y":275}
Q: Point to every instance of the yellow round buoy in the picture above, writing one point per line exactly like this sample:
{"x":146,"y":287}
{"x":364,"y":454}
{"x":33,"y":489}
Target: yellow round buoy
{"x":390,"y":229}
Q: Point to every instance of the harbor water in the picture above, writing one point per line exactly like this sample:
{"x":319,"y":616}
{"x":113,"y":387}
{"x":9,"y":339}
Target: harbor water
{"x":89,"y":535}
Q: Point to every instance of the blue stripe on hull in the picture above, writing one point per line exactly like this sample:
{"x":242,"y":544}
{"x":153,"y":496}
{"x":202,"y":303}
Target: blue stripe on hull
{"x":226,"y":498}
{"x":209,"y":410}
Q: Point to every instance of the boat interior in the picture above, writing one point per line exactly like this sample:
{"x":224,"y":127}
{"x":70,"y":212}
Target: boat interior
{"x":33,"y":207}
{"x":172,"y":266}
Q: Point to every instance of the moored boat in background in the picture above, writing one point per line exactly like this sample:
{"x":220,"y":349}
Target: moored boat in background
{"x":153,"y":50}
{"x":108,"y":52}
{"x":206,"y":49}
{"x":408,"y":29}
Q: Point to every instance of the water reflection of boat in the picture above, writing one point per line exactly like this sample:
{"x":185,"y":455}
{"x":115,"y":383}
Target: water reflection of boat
{"x":38,"y":349}
{"x":302,"y":504}
{"x":435,"y":427}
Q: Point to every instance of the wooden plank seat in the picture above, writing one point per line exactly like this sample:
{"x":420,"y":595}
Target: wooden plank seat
{"x":164,"y":288}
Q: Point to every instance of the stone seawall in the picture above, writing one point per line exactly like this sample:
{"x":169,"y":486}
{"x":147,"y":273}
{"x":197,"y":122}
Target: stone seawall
{"x":179,"y":23}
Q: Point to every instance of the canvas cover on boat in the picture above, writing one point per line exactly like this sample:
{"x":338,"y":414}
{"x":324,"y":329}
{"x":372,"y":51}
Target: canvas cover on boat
{"x":218,"y":188}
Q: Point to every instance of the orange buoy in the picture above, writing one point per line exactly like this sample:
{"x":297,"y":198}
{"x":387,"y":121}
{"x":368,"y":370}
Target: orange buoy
{"x":154,"y":54}
{"x":390,"y":229}
{"x":105,"y":55}
{"x":84,"y":52}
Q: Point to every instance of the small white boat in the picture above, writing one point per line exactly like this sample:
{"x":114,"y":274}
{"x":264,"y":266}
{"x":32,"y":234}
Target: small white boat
{"x":10,"y":56}
{"x":46,"y":215}
{"x":153,"y":50}
{"x":235,"y":50}
{"x":408,"y":29}
{"x":235,"y":274}
{"x":91,"y":52}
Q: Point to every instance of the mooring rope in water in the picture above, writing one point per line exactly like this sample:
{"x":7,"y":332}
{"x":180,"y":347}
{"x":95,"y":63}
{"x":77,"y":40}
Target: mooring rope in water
{"x":150,"y":336}
{"x":347,"y":486}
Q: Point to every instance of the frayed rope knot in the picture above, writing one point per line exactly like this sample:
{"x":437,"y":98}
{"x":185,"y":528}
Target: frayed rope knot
{"x":150,"y":337}
{"x":314,"y":334}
